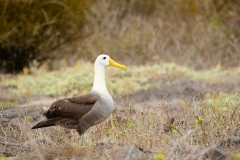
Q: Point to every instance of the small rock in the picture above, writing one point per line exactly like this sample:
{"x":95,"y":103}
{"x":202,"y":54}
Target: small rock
{"x":210,"y":153}
{"x":179,"y":150}
{"x":231,"y":141}
{"x":57,"y":158}
{"x":215,"y":153}
{"x":32,"y":110}
{"x":129,"y":152}
{"x":103,"y":147}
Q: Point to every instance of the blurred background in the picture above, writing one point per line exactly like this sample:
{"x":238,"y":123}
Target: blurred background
{"x":57,"y":33}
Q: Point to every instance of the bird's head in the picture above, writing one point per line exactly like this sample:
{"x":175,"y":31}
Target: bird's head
{"x":105,"y":60}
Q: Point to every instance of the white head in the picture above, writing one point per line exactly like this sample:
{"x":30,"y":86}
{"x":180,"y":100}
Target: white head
{"x":104,"y":60}
{"x":99,"y":85}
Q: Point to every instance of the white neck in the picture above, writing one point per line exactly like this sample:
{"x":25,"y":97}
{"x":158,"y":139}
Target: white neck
{"x":99,"y":84}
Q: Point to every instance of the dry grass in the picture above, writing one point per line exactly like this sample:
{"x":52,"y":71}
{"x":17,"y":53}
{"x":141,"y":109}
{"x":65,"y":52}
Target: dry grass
{"x":198,"y":40}
{"x":197,"y":125}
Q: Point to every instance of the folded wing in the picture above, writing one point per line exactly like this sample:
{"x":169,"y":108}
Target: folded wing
{"x":73,"y":108}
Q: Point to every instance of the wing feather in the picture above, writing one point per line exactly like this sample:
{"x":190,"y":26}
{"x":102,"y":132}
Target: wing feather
{"x":84,"y":99}
{"x":73,"y":108}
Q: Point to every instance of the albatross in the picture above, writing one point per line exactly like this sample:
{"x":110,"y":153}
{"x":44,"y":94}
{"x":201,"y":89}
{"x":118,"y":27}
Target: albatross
{"x":82,"y":112}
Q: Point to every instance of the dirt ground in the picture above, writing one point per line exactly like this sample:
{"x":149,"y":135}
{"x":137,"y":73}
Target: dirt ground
{"x":177,"y":91}
{"x":169,"y":90}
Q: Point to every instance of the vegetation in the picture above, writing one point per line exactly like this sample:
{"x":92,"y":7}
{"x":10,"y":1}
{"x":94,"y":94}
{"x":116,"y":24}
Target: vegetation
{"x":8,"y":104}
{"x":29,"y":30}
{"x":179,"y":31}
{"x":195,"y":126}
{"x":78,"y":80}
{"x":171,"y":33}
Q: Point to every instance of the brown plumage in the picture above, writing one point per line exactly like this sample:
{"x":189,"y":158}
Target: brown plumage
{"x":67,"y":112}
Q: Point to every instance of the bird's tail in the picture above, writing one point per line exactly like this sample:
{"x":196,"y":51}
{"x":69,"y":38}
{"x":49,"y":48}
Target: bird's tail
{"x":46,"y":123}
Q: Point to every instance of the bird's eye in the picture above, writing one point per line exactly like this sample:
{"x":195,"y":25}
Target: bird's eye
{"x":104,"y":57}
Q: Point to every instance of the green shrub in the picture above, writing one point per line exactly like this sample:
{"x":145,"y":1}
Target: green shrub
{"x":29,"y":29}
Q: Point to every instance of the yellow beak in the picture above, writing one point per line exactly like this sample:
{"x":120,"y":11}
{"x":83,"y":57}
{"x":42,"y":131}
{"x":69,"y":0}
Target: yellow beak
{"x":115,"y":64}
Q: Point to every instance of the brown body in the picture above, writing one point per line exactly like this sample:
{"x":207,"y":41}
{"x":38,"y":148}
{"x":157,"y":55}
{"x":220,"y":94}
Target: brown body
{"x":68,"y":112}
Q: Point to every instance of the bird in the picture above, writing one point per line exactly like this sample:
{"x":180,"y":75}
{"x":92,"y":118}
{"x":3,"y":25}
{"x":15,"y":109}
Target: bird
{"x":84,"y":111}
